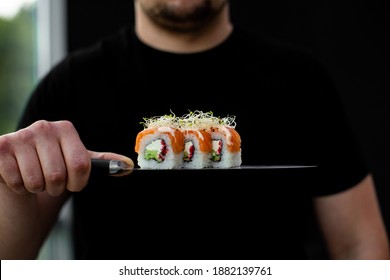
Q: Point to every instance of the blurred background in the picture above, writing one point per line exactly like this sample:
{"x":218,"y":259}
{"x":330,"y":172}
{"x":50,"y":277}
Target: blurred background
{"x":32,"y":39}
{"x":351,"y":40}
{"x":18,"y":58}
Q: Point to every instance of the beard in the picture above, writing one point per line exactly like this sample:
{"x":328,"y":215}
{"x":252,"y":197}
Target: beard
{"x":182,"y":15}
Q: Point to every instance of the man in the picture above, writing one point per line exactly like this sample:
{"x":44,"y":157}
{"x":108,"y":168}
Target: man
{"x":186,"y":55}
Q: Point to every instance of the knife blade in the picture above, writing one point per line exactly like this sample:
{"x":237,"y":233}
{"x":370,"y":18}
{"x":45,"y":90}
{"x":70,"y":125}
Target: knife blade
{"x":116,"y":167}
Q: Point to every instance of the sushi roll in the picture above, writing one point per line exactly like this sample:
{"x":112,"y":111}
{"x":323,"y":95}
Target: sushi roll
{"x":197,"y":148}
{"x":160,"y":148}
{"x":160,"y":145}
{"x":194,"y":141}
{"x":226,"y":147}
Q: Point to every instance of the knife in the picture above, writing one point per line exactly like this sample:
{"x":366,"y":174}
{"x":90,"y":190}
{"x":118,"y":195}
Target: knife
{"x":110,"y":167}
{"x":116,"y":167}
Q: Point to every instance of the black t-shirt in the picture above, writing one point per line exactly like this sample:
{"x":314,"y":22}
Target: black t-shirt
{"x":287,"y":113}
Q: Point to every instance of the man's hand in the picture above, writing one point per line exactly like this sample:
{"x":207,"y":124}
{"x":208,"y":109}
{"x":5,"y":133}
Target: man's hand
{"x":47,"y":157}
{"x":39,"y":166}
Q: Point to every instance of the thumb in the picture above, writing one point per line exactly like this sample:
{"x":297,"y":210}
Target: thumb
{"x":113,"y":156}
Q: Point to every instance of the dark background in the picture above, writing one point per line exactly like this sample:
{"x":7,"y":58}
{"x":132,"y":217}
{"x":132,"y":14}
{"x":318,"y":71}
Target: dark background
{"x":351,"y":39}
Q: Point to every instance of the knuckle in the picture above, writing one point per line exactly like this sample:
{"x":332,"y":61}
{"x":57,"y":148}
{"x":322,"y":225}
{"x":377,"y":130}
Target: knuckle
{"x":55,"y":178}
{"x":80,"y":166}
{"x":34,"y":184}
{"x":15,"y":183}
{"x":40,"y":127}
{"x":45,"y":128}
{"x":65,"y":125}
{"x":78,"y":176}
{"x":26,"y":135}
{"x":5,"y":144}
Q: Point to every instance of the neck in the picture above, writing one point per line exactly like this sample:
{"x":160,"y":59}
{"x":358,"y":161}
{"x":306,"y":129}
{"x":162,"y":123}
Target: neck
{"x":164,"y":39}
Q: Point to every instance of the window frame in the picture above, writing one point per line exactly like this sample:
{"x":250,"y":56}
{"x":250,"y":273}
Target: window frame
{"x":52,"y":47}
{"x":52,"y":33}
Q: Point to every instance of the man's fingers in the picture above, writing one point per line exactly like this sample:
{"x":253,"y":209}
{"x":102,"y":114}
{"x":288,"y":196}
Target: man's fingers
{"x":30,"y":170}
{"x":10,"y":174}
{"x":45,"y":156}
{"x":19,"y":165}
{"x":53,"y":166}
{"x":76,"y":157}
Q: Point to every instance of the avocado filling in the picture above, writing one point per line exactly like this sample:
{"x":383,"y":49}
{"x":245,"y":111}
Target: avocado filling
{"x":216,"y":152}
{"x":157,"y":150}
